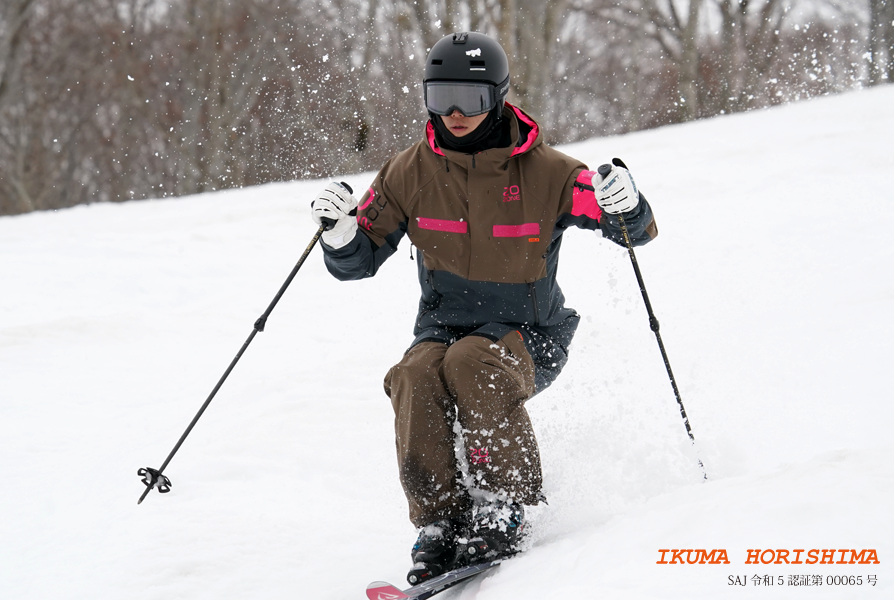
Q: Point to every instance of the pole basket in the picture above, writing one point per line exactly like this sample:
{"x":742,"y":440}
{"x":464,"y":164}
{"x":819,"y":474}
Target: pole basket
{"x":152,"y":478}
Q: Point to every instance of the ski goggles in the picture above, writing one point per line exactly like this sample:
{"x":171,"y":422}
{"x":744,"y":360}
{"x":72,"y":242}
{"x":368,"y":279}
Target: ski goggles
{"x":443,"y":97}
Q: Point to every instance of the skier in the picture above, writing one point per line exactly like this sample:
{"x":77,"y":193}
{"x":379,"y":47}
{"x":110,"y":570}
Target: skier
{"x":485,"y":202}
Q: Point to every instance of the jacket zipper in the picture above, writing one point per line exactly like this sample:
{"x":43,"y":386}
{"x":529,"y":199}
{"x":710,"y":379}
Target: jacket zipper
{"x":430,"y":280}
{"x":536,"y":307}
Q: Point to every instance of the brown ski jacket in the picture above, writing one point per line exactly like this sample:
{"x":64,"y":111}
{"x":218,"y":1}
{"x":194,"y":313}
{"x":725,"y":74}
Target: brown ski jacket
{"x":488,"y":228}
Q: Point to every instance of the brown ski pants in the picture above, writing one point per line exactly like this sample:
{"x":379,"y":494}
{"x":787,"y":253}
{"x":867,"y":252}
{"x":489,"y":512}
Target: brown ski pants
{"x":482,"y":386}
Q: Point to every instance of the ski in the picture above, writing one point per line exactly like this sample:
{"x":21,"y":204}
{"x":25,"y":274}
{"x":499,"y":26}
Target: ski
{"x":381,"y":590}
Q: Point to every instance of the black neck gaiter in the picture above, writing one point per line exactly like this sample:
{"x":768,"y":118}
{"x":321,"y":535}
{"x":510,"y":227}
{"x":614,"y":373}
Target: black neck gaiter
{"x":494,"y":132}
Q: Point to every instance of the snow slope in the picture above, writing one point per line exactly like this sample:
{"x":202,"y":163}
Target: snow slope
{"x":772,"y":281}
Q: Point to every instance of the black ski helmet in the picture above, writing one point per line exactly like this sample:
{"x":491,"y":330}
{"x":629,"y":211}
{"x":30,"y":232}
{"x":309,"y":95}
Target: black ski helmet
{"x":469,"y":57}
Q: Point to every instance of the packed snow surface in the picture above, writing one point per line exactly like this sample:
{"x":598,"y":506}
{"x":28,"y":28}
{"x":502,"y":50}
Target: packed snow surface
{"x":772,"y":280}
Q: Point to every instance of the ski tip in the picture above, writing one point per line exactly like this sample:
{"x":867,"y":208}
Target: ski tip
{"x":382,"y":590}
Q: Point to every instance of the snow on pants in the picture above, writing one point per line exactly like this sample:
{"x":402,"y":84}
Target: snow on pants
{"x":482,"y":385}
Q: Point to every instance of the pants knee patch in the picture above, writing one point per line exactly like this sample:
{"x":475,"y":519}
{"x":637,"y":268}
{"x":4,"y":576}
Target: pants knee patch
{"x":478,"y":361}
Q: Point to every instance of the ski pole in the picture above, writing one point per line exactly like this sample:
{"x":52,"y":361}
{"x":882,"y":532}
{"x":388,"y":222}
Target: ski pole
{"x":155,"y":477}
{"x":604,"y":170}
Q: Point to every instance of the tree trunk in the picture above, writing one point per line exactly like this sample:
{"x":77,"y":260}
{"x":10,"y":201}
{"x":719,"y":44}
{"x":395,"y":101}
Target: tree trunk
{"x":689,"y":62}
{"x":423,"y":19}
{"x":475,"y":22}
{"x":15,"y":16}
{"x":450,"y":22}
{"x":507,"y":35}
{"x":881,"y":41}
{"x":889,"y":39}
{"x":729,"y":47}
{"x":876,"y":41}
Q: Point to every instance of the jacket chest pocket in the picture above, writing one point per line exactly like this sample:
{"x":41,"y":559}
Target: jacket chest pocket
{"x":511,"y":243}
{"x":444,"y":243}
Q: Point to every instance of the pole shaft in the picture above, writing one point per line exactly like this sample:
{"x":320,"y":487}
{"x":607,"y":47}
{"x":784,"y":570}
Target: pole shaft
{"x":213,"y":393}
{"x":653,"y":324}
{"x":259,"y":326}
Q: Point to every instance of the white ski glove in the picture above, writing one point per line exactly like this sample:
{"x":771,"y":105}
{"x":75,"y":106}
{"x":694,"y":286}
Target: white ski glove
{"x":336,"y":208}
{"x":615,"y":190}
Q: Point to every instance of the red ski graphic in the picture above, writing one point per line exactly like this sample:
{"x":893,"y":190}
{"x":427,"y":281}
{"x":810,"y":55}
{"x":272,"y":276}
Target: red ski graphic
{"x":381,"y":590}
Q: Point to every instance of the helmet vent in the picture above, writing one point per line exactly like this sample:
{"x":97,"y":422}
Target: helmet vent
{"x":437,"y":61}
{"x":476,"y":63}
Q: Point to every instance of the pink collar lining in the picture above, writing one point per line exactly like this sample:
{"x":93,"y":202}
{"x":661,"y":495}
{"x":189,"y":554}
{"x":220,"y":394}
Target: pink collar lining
{"x":532,"y":136}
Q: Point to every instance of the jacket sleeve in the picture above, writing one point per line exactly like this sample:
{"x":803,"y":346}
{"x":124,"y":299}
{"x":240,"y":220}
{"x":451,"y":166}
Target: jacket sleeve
{"x":381,"y":224}
{"x":579,"y":208}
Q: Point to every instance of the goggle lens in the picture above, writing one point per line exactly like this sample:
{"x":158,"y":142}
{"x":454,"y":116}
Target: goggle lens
{"x":443,"y":97}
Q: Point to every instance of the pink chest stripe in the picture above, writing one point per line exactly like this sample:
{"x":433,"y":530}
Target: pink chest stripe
{"x":584,"y":201}
{"x":443,"y":225}
{"x":517,"y":230}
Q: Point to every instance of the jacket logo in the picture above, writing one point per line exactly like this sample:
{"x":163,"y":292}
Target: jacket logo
{"x":372,"y":212}
{"x":479,"y":456}
{"x":511,"y":193}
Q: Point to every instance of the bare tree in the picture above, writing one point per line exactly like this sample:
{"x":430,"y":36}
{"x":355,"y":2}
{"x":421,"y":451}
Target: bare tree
{"x":111,"y":100}
{"x":42,"y":117}
{"x":676,"y":32}
{"x":748,"y":45}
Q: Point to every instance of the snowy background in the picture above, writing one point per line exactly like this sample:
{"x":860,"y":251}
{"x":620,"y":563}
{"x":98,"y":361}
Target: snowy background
{"x":772,"y":281}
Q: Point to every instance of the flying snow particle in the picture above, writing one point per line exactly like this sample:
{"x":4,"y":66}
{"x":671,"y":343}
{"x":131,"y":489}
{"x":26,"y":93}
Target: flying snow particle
{"x":406,"y":90}
{"x":129,"y":78}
